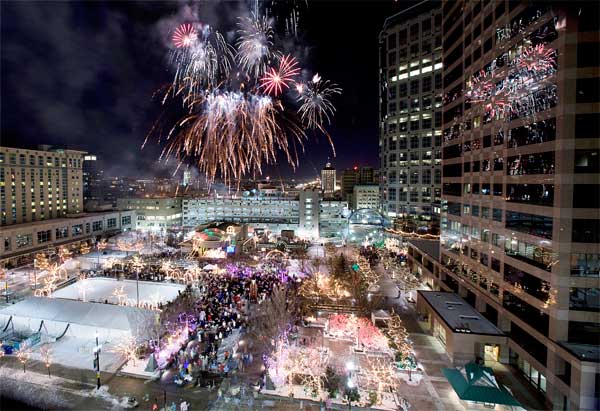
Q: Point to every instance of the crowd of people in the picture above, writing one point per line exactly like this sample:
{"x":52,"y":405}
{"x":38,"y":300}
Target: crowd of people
{"x":215,"y":318}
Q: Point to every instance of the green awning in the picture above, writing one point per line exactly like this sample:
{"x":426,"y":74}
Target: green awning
{"x":477,"y":383}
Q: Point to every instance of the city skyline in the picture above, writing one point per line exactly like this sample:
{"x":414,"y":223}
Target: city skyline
{"x":258,"y":204}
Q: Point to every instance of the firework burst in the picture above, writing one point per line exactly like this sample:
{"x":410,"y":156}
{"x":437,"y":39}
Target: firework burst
{"x":255,"y":45}
{"x":234,"y":133}
{"x":275,"y":80}
{"x":315,"y":98}
{"x":184,"y":36}
{"x":236,"y":121}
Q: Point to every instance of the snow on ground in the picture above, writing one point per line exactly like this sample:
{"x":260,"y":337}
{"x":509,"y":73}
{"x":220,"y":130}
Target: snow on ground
{"x":99,"y":289}
{"x":138,"y":369}
{"x":299,"y":393}
{"x":79,"y":353}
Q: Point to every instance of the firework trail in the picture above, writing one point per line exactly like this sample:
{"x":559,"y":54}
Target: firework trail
{"x":234,"y":133}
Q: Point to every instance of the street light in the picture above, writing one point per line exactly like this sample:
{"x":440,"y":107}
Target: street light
{"x":351,"y":386}
{"x":97,"y":350}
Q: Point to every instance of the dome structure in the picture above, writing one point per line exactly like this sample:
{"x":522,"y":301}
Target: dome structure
{"x":369,"y":217}
{"x":367,"y":225}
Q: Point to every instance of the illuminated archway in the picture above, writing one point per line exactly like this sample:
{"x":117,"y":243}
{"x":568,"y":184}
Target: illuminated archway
{"x":275,"y":254}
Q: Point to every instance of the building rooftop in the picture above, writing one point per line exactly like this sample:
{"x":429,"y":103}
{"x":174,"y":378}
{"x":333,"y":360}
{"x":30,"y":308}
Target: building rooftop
{"x":429,"y":247}
{"x":404,"y":16}
{"x":458,"y":314}
{"x":585,"y":352}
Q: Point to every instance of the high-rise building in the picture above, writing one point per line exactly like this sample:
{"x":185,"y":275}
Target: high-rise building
{"x":521,"y":184}
{"x":93,"y":183}
{"x":356,"y":175}
{"x":187,"y":178}
{"x":410,"y":112}
{"x":328,"y":180}
{"x":39,"y":184}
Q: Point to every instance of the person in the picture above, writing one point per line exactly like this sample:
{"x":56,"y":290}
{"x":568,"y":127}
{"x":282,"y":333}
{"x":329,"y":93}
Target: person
{"x":155,"y":405}
{"x":184,"y":406}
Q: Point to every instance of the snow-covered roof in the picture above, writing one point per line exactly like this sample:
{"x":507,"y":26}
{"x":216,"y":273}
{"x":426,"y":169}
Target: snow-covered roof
{"x":98,"y":315}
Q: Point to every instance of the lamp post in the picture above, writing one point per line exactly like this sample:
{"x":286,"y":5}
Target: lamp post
{"x":350,"y":384}
{"x":97,"y":361}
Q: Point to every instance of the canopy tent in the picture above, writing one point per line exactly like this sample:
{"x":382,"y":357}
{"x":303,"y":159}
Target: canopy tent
{"x":477,"y":383}
{"x":84,"y":319}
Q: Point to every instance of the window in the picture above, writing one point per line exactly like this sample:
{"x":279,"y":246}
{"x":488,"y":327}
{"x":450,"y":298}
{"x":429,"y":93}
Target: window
{"x":495,"y":265}
{"x":497,"y":189}
{"x":77,"y":230}
{"x":497,"y":214}
{"x":587,"y":55}
{"x":426,"y":84}
{"x":97,"y":225}
{"x":587,"y":90}
{"x":487,"y":46}
{"x":535,"y":318}
{"x":402,"y":89}
{"x":584,"y":299}
{"x":62,"y":232}
{"x":586,"y":231}
{"x":392,"y":41}
{"x":587,"y":125}
{"x":540,"y":194}
{"x":536,"y":225}
{"x":414,"y":87}
{"x":111,"y":222}
{"x":23,"y":240}
{"x":587,"y":161}
{"x":44,"y":236}
{"x":532,"y":285}
{"x":585,"y":265}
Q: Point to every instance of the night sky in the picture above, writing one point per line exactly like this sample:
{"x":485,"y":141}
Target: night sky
{"x":83,"y":74}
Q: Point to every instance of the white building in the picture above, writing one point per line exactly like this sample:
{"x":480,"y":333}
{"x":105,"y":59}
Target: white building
{"x":366,"y":196}
{"x":309,"y":214}
{"x":306,"y":214}
{"x":333,"y":218}
{"x":328,"y":180}
{"x":271,"y":212}
{"x":187,"y":178}
{"x":154,"y":214}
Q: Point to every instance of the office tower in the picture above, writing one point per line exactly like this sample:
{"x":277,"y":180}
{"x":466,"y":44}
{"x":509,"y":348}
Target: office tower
{"x":93,"y":183}
{"x":356,"y":175}
{"x":328,"y":180}
{"x":187,"y":178}
{"x":520,"y":218}
{"x":39,"y":184}
{"x":410,"y":112}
